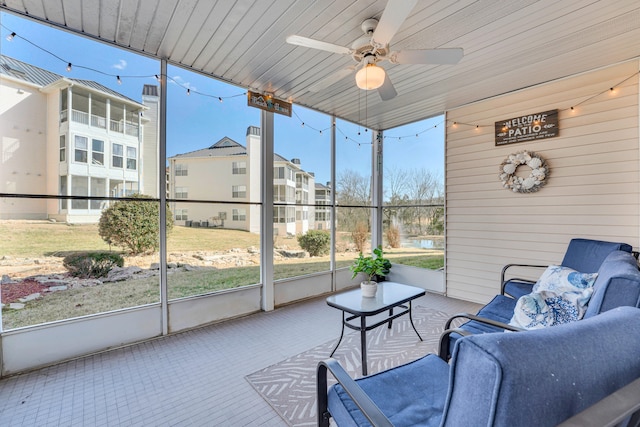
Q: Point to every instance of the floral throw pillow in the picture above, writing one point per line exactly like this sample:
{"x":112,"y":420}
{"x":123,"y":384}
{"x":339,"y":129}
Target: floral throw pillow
{"x":560,"y":296}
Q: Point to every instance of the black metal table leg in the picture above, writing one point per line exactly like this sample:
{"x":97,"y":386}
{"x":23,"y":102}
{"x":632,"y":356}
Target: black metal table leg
{"x":341,"y":335}
{"x":390,"y":320}
{"x":363,"y":343}
{"x":411,"y":320}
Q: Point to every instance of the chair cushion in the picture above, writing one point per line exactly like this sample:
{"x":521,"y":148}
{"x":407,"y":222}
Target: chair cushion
{"x":500,"y":308}
{"x":517,"y":288}
{"x":411,"y":394}
{"x":587,"y":255}
{"x":618,"y":284}
{"x":540,"y":378}
{"x":560,"y":296}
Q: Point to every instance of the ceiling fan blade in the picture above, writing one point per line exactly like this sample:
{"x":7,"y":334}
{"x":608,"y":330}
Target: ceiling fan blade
{"x":317,"y":44}
{"x":392,"y":18}
{"x":427,"y":56}
{"x":331,"y":79}
{"x":387,"y":91}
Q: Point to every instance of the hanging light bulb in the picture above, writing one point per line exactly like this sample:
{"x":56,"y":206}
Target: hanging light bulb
{"x":188,"y":91}
{"x":118,"y":79}
{"x":370,"y":76}
{"x":11,"y":36}
{"x":69,"y":67}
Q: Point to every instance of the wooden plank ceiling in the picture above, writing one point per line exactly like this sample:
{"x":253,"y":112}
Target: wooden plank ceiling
{"x":507,"y":45}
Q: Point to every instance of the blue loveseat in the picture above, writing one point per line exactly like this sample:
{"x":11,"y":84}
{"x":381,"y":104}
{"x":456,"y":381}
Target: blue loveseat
{"x":584,"y":255}
{"x":538,"y":378}
{"x":617,"y":284}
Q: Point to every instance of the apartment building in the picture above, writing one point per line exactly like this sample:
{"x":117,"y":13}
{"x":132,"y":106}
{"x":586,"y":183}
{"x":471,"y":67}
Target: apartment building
{"x":323,"y":213}
{"x":70,"y":137}
{"x":229,"y":172}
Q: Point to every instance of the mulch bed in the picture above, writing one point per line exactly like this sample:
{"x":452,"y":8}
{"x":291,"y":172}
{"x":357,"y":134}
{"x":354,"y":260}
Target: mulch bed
{"x":12,"y":292}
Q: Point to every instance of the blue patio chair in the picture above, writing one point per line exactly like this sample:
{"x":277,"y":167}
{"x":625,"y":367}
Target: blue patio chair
{"x":539,"y":378}
{"x":583,"y":255}
{"x":617,"y":284}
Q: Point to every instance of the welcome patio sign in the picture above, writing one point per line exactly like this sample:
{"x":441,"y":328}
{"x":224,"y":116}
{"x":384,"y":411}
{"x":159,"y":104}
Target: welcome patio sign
{"x":527,"y":128}
{"x":268,"y":103}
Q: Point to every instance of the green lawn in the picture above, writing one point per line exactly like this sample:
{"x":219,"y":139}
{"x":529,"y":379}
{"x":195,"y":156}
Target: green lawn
{"x":23,"y":239}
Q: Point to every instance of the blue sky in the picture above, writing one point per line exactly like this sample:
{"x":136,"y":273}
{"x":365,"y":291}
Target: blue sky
{"x":199,"y":120}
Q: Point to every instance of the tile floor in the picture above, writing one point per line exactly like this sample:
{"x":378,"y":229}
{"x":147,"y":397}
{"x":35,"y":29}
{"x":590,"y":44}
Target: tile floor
{"x":195,"y":378}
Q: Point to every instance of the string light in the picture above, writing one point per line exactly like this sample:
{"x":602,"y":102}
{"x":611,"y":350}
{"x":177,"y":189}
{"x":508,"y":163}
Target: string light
{"x":12,"y":35}
{"x":119,"y":78}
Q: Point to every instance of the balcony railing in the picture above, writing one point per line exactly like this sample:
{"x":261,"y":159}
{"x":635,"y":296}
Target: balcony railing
{"x":80,"y":117}
{"x":131,"y":129}
{"x":98,"y":121}
{"x":116,"y":126}
{"x":128,"y":128}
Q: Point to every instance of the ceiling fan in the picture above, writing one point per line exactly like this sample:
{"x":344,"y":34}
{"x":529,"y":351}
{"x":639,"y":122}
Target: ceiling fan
{"x":373,"y":47}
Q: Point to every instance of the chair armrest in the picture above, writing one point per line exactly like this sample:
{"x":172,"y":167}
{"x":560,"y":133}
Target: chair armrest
{"x":445,"y":344}
{"x":359,"y":397}
{"x":484,"y":320}
{"x":508,"y":266}
{"x":445,"y":348}
{"x":612,"y":410}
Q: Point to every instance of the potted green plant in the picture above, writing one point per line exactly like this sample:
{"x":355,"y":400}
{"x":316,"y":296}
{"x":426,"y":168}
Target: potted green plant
{"x":372,"y":267}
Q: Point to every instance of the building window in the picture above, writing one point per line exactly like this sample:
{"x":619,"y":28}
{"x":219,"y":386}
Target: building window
{"x":279,"y":214}
{"x":182,"y":193}
{"x":239,"y":191}
{"x":239,"y":168}
{"x":80,"y":187}
{"x":279,"y":193}
{"x":117,"y":156}
{"x":182,"y":214}
{"x":132,"y":158}
{"x":81,"y":146}
{"x":63,"y":192}
{"x":239,"y":215}
{"x":63,"y":149}
{"x":222,"y":215}
{"x":98,"y":189}
{"x":181,"y":170}
{"x":97,"y":152}
{"x":278,"y":173}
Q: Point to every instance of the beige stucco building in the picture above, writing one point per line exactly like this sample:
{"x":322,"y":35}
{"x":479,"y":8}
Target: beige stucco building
{"x":228,"y":171}
{"x":71,"y":137}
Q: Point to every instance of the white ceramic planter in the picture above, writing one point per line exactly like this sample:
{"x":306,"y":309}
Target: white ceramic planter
{"x":368,"y":289}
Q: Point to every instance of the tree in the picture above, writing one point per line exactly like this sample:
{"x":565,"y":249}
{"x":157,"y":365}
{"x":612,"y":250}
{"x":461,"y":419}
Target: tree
{"x":133,"y":225}
{"x":423,"y":189}
{"x":353,"y":193}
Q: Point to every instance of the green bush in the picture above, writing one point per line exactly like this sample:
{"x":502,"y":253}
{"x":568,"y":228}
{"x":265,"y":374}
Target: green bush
{"x":316,"y":242}
{"x":92,"y":264}
{"x":133,"y":225}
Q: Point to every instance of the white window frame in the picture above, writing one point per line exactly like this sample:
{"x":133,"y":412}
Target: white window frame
{"x":79,"y":150}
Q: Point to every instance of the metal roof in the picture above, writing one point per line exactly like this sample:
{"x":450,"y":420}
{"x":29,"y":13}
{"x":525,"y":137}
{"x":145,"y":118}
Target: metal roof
{"x":508,"y":45}
{"x":225,"y":147}
{"x":30,"y":73}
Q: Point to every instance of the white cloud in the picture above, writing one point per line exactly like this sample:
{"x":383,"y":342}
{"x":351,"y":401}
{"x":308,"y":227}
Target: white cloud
{"x":121,"y":65}
{"x":181,"y":82}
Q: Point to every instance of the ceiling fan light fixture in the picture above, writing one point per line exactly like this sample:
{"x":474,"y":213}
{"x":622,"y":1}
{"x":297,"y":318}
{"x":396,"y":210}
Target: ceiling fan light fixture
{"x":370,"y":77}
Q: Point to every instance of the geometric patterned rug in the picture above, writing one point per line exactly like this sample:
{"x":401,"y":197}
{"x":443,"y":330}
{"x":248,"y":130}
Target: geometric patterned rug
{"x":290,"y":386}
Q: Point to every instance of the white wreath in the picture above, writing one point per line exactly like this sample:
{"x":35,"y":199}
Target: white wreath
{"x":530,"y":184}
